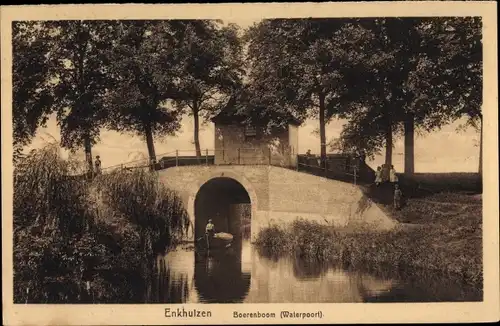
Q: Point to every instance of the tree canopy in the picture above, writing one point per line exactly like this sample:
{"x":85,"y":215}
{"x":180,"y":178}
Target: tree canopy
{"x":146,"y":63}
{"x":61,"y":67}
{"x":432,"y":71}
{"x":386,"y":76}
{"x":79,"y":66}
{"x":32,"y":98}
{"x":212,"y":69}
{"x":296,"y":68}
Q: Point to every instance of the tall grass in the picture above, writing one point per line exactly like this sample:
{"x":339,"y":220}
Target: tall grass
{"x":156,"y":211}
{"x":430,"y":248}
{"x":69,"y":231}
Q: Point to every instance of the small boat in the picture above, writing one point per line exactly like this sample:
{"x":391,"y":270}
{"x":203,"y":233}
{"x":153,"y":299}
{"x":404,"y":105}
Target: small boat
{"x":219,"y":240}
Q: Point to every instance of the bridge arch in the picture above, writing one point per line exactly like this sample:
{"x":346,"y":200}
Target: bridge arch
{"x":217,"y":185}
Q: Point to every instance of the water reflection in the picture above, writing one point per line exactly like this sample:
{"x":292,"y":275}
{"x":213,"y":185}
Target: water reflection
{"x":291,"y":280}
{"x":218,"y":277}
{"x":171,"y":286}
{"x":425,"y":288}
{"x":308,"y":269}
{"x":241,"y":274}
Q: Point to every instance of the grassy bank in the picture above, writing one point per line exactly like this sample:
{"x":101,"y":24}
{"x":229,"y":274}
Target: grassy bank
{"x":422,"y":185}
{"x":443,"y":235}
{"x":70,"y":233}
{"x":432,"y":183}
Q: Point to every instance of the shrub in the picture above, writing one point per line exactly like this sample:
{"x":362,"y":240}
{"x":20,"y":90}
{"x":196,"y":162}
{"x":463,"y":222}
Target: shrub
{"x":436,"y":248}
{"x":156,"y":211}
{"x":273,"y":241}
{"x":65,"y":235}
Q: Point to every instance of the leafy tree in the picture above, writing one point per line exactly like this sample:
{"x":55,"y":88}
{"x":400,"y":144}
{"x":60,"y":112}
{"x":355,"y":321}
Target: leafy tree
{"x":80,"y":67}
{"x":415,"y":86}
{"x":212,"y":69}
{"x":447,"y":81}
{"x":146,"y":62}
{"x":365,"y":133}
{"x":297,"y":67}
{"x":61,"y":66}
{"x":462,"y":78}
{"x":251,"y":109}
{"x":32,"y":98}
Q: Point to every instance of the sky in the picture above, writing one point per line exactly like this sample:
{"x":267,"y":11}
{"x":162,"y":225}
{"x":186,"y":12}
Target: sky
{"x":443,"y":151}
{"x":446,"y":150}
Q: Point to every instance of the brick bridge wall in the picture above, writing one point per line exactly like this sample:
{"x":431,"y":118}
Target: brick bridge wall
{"x":280,"y":195}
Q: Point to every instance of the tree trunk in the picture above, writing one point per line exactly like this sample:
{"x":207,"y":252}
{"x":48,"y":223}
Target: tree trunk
{"x":88,"y":152}
{"x":409,"y":125}
{"x":80,"y":105}
{"x":196,"y":131}
{"x":150,"y":143}
{"x":480,"y":168}
{"x":388,"y":145}
{"x":322,"y":135}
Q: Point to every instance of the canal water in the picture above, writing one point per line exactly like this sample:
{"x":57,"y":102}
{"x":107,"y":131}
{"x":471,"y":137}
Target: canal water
{"x":241,"y":275}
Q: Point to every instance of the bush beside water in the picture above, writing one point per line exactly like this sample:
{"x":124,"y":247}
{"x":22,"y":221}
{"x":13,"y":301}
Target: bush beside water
{"x":69,"y":231}
{"x":432,"y":248}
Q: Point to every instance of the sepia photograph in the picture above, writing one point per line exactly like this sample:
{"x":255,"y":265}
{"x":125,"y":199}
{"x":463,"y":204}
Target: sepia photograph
{"x":295,"y":160}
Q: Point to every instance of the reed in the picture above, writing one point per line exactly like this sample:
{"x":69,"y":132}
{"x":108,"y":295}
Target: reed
{"x":71,"y":233}
{"x":449,"y":244}
{"x":140,"y":197}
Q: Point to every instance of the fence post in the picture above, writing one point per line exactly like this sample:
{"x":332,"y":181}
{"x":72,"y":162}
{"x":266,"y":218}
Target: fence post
{"x":121,"y":165}
{"x":176,"y":157}
{"x":206,"y":157}
{"x":269,"y":163}
{"x":239,"y":155}
{"x":355,"y":169}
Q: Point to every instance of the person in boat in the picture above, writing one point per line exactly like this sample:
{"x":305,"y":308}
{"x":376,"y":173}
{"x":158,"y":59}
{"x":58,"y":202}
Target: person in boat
{"x":210,"y":229}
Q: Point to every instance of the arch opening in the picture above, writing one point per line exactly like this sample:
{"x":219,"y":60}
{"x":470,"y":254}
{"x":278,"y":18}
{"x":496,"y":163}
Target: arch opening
{"x":227,"y":203}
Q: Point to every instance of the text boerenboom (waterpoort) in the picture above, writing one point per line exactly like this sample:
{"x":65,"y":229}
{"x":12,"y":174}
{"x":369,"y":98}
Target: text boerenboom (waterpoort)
{"x":283,"y":314}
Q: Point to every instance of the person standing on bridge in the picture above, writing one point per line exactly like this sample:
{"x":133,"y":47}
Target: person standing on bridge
{"x":97,"y":165}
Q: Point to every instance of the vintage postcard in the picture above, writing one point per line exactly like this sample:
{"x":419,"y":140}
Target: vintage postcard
{"x":298,"y":163}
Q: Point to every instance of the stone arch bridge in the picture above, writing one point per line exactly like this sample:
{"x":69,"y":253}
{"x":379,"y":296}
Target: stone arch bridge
{"x":251,"y":197}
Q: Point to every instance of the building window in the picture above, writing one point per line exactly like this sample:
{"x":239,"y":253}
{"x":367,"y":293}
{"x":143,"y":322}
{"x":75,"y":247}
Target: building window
{"x":250,"y":131}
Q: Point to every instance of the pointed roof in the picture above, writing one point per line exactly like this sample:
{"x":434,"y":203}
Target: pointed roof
{"x":230,"y":113}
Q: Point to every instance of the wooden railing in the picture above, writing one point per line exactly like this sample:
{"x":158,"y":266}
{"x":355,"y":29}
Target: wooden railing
{"x":336,"y":167}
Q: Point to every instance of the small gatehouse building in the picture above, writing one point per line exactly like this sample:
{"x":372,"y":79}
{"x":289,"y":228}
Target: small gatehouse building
{"x":243,"y":143}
